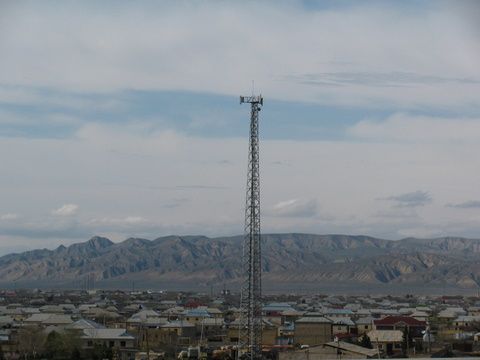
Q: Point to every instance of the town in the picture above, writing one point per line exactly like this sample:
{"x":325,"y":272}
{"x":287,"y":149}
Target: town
{"x":101,"y":324}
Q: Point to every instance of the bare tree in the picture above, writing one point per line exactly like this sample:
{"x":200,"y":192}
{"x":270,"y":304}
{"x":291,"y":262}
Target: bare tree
{"x":31,"y":341}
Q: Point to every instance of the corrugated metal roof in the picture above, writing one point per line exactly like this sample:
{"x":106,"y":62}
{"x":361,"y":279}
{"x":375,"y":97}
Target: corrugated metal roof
{"x":385,"y":336}
{"x":342,"y":321}
{"x":392,"y":320}
{"x":85,"y":324}
{"x":313,"y":320}
{"x":365,"y":321}
{"x":6,"y":319}
{"x":177,"y":324}
{"x":338,"y":312}
{"x":39,"y":317}
{"x":197,"y":313}
{"x":107,"y":334}
{"x":342,"y":345}
{"x":56,"y":319}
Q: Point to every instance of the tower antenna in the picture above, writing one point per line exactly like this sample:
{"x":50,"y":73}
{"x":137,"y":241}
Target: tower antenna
{"x":251,"y":296}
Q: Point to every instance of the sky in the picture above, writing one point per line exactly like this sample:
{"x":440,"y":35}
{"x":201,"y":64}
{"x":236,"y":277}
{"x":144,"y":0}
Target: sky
{"x":122,"y":119}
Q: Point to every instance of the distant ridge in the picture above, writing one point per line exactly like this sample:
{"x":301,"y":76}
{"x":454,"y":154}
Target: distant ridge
{"x":290,"y":260}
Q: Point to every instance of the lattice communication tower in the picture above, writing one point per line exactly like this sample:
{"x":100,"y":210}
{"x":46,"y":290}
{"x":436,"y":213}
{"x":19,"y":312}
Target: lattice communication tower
{"x":251,"y":297}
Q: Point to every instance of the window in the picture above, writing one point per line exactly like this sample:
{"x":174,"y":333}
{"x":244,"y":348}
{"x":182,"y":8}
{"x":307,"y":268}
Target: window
{"x":123,"y":344}
{"x":89,"y":343}
{"x":366,"y":326}
{"x":111,"y":343}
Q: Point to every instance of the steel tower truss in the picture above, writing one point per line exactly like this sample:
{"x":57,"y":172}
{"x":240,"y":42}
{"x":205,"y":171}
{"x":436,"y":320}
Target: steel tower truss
{"x":251,"y":297}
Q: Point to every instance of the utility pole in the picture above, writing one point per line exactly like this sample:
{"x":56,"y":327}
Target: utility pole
{"x":251,"y":296}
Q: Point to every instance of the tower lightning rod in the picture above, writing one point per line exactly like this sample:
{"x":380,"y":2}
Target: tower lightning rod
{"x":251,"y":296}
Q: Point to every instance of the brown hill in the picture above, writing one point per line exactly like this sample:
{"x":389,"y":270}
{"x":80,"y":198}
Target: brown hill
{"x":289,"y":260}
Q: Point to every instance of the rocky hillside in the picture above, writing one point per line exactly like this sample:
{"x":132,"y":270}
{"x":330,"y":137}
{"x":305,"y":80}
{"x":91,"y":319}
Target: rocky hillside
{"x":289,"y":259}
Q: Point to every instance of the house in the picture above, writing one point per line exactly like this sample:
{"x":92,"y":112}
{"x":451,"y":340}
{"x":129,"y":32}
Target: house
{"x":342,"y":325}
{"x":236,"y":312}
{"x":387,"y":341}
{"x":154,"y":322}
{"x":215,"y":313}
{"x":8,"y":346}
{"x":276,"y":308}
{"x":426,"y":309}
{"x":313,"y":314}
{"x":166,"y":304}
{"x":101,"y":315}
{"x":173,"y":313}
{"x":342,"y":313}
{"x":47,"y":319}
{"x":451,"y":313}
{"x":118,"y":340}
{"x":380,"y":313}
{"x":18,"y":314}
{"x":353,"y":306}
{"x":466,"y":322}
{"x":210,"y":327}
{"x":290,"y":316}
{"x":363,"y":313}
{"x":330,"y":350}
{"x":85,"y":307}
{"x":143,"y":355}
{"x":273,"y":312}
{"x":52,"y":309}
{"x":313,"y":331}
{"x":196,"y":316}
{"x":83,"y":324}
{"x":37,"y":318}
{"x":286,"y":334}
{"x":142,"y":317}
{"x":473,"y":311}
{"x":364,"y":325}
{"x":414,"y":326}
{"x":183,"y":329}
{"x":420,"y":315}
{"x":347,"y":350}
{"x":406,"y":311}
{"x":270,"y":332}
{"x":58,"y":320}
{"x":6,"y":321}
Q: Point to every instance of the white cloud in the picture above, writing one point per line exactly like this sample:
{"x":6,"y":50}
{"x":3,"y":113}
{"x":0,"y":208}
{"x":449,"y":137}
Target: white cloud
{"x":411,"y":199}
{"x":9,"y":216}
{"x":124,"y":177}
{"x":470,"y":204}
{"x":359,"y":55}
{"x":413,"y":128}
{"x":134,"y":220}
{"x":55,"y":119}
{"x":126,"y":221}
{"x":403,"y":57}
{"x":294,"y":208}
{"x":66,"y":210}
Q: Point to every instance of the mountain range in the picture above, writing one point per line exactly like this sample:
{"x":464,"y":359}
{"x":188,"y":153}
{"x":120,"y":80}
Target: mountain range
{"x":290,"y":262}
